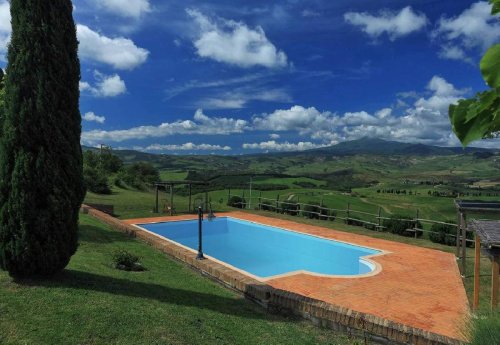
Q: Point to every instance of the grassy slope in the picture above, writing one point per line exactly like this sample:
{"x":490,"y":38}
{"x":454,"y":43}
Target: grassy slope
{"x":93,"y":303}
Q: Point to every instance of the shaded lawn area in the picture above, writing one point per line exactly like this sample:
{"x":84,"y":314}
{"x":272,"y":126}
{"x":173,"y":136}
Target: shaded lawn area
{"x":93,"y":303}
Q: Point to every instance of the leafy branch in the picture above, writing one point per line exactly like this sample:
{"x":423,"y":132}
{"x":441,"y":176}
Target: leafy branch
{"x":479,"y":117}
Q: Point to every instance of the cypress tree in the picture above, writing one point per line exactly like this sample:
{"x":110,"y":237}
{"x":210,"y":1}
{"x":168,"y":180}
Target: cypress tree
{"x":41,"y":186}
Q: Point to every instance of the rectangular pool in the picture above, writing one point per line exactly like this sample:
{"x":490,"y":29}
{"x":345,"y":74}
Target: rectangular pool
{"x":265,"y":251}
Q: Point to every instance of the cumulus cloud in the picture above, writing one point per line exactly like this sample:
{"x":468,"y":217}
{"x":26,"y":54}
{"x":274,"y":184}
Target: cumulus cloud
{"x":124,"y":8}
{"x":120,"y":53}
{"x":183,"y":147}
{"x":239,"y":97}
{"x":105,"y":86}
{"x":91,"y":117}
{"x":234,"y":43}
{"x":394,"y":24}
{"x":5,"y":28}
{"x":272,"y":145}
{"x":274,"y":136}
{"x":426,"y":120}
{"x":202,"y":124}
{"x":475,"y":29}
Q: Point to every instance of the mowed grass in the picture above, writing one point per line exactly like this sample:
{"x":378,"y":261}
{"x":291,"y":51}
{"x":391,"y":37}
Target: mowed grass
{"x":93,"y":303}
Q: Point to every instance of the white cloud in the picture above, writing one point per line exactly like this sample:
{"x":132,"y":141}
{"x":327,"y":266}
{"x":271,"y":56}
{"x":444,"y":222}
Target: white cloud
{"x":239,"y":97}
{"x":5,"y":28}
{"x":125,"y":8}
{"x":394,"y":24}
{"x":119,"y":52}
{"x":91,"y":117}
{"x":106,"y":85}
{"x":297,"y":118}
{"x":272,"y":145}
{"x":474,"y":29}
{"x":202,"y":124}
{"x":183,"y":147}
{"x":234,"y":43}
{"x":274,"y":136}
{"x":426,"y":120}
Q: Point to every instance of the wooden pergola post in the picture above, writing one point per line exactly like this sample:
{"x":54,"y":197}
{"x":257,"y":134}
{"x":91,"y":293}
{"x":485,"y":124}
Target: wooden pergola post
{"x":495,"y":273}
{"x":463,"y":225}
{"x":477,"y":272}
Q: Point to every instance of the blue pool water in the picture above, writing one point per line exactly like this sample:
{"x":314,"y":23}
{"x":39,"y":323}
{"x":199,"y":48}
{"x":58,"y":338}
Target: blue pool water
{"x":266,"y":251}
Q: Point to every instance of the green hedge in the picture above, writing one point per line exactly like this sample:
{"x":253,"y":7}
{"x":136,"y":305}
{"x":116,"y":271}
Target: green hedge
{"x":236,"y":201}
{"x":398,"y":224}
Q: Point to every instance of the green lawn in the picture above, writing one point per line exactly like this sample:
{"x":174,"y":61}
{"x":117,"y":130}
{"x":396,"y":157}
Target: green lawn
{"x":93,"y":303}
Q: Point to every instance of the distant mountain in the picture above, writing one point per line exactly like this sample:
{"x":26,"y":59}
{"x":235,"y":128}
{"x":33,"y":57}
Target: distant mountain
{"x":383,"y":147}
{"x":365,"y":146}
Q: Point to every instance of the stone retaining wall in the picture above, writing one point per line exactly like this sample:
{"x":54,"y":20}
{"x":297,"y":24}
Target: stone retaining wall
{"x":374,"y":329}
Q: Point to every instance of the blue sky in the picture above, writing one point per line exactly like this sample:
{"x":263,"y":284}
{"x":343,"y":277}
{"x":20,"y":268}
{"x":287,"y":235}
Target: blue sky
{"x":232,"y":77}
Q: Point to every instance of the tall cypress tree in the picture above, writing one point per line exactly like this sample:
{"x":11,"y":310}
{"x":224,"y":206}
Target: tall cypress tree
{"x":41,"y":186}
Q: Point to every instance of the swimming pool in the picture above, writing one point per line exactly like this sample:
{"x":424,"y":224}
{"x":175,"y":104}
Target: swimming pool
{"x":264,"y":251}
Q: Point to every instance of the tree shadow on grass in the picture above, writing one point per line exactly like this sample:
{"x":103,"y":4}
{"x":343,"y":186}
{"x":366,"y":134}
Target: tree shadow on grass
{"x":72,"y":279}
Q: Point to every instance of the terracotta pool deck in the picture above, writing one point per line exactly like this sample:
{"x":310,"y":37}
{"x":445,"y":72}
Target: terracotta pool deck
{"x":417,"y":287}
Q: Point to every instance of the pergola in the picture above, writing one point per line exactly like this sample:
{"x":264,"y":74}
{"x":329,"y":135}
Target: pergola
{"x":487,"y":238}
{"x":171,"y":185}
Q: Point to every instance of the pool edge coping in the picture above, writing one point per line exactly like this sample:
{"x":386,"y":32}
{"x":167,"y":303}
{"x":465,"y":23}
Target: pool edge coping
{"x":368,"y":258}
{"x":336,"y":317}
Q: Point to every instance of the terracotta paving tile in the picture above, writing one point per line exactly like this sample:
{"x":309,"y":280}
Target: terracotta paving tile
{"x":417,"y":286}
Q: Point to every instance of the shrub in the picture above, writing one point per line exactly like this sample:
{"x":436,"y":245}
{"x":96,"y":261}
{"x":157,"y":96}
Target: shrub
{"x":236,"y":201}
{"x":291,"y":208}
{"x":313,"y":210}
{"x":95,"y":180}
{"x":442,"y":233}
{"x":126,"y":261}
{"x":267,"y":205}
{"x":398,"y":224}
{"x":446,"y":234}
{"x":355,"y":221}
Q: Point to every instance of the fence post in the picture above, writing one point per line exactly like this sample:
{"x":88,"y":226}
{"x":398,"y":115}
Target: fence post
{"x":416,"y":224}
{"x":348,"y":212}
{"x":229,"y":194}
{"x":260,"y":200}
{"x":379,"y":219}
{"x":277,"y":203}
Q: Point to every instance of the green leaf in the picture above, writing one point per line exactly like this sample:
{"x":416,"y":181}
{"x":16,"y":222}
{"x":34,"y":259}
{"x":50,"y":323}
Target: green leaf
{"x":490,"y":66}
{"x":496,"y":6}
{"x":476,"y":118}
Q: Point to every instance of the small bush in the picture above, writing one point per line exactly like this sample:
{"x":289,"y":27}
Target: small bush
{"x":267,"y":205}
{"x":442,"y":233}
{"x":291,"y":208}
{"x":313,"y":210}
{"x":355,"y":221}
{"x":446,"y":234}
{"x":236,"y":201}
{"x":398,"y":224}
{"x":125,"y":261}
{"x":96,"y":180}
